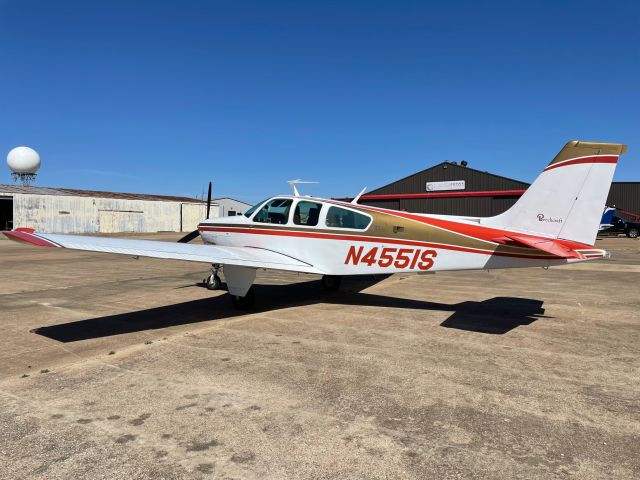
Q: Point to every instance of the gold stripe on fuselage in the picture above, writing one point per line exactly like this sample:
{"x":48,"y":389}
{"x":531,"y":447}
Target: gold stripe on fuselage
{"x":398,"y":228}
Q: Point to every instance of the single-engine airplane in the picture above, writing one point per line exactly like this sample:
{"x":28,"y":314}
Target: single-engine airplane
{"x":555,"y":222}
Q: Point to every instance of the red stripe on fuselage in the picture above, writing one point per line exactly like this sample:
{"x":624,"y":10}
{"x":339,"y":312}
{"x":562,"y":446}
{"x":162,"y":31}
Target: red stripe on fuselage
{"x":478,"y":232}
{"x":360,"y":238}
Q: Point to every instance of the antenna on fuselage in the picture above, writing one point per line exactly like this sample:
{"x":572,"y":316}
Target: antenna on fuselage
{"x":355,"y":200}
{"x":293,"y":183}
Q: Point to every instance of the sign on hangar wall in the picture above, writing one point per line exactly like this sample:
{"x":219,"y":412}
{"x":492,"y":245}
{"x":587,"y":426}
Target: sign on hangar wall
{"x":448,"y":185}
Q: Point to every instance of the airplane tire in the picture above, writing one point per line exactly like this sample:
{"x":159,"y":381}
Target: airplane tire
{"x":213,"y":282}
{"x":331,"y":283}
{"x":244,"y":303}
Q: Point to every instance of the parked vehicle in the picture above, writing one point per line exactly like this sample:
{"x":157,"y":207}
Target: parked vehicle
{"x":607,"y":217}
{"x":632,"y":230}
{"x":619,"y":226}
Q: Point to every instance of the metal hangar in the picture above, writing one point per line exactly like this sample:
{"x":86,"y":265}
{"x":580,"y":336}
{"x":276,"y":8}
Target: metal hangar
{"x":449,"y":188}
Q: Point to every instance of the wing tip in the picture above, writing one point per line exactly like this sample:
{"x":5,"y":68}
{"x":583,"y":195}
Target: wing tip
{"x":26,"y":235}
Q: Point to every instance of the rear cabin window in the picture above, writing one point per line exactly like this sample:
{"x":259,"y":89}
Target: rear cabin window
{"x":275,"y":211}
{"x":307,"y":213}
{"x":342,"y":218}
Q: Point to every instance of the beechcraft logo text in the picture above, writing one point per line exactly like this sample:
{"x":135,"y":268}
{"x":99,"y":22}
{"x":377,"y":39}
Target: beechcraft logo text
{"x":542,"y":218}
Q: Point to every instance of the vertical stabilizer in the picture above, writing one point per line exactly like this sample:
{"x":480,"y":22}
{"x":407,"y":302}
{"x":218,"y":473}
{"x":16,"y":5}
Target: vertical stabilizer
{"x":567,"y":198}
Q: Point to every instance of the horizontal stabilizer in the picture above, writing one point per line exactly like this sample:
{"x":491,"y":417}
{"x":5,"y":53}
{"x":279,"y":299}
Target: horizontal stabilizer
{"x":551,"y":246}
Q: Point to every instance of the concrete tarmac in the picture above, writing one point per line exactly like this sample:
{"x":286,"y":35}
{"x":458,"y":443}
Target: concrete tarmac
{"x":112,"y":367}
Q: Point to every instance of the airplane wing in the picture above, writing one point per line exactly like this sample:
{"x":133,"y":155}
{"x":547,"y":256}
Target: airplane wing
{"x":240,"y":256}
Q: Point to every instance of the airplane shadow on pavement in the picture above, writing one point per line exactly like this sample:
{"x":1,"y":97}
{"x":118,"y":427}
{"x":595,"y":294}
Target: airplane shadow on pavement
{"x":497,"y":315}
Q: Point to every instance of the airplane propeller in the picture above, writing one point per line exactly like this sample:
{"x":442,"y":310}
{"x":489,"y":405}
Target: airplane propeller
{"x":192,"y":235}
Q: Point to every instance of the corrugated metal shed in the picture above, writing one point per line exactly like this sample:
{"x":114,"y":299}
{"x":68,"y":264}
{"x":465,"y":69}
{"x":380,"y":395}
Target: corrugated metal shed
{"x":12,"y":189}
{"x":9,"y":190}
{"x":231,"y":206}
{"x":65,"y":210}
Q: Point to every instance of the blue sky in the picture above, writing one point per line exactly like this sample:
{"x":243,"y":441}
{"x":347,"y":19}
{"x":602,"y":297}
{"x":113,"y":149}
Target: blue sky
{"x":160,"y":97}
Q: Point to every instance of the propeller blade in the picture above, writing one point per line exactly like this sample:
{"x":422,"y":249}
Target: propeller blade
{"x":189,"y":236}
{"x":209,"y":201}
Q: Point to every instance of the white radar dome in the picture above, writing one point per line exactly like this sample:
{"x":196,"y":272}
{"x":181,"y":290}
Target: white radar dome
{"x":23,"y":160}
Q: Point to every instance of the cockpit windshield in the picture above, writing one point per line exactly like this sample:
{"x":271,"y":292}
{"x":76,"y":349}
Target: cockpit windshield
{"x":252,"y":210}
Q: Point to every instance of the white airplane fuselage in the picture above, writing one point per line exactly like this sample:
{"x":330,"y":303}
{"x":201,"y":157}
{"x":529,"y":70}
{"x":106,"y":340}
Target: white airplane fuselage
{"x":393,"y":242}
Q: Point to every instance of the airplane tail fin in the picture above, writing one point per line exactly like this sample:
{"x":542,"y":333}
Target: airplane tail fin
{"x":567,"y":198}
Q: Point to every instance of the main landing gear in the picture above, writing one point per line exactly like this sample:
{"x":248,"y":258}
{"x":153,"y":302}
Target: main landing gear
{"x":213,"y":282}
{"x":240,"y":280}
{"x":244,"y":303}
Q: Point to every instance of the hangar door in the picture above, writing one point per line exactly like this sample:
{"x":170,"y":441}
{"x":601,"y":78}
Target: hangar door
{"x":191,"y":215}
{"x":6,"y":213}
{"x":115,"y":221}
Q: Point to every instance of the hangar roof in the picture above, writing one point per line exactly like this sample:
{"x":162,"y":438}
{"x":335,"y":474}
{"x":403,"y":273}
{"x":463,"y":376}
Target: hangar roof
{"x":13,"y":189}
{"x":233,"y":199}
{"x":476,"y":180}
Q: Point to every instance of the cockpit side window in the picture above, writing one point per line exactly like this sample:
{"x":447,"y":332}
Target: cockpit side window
{"x":275,"y":211}
{"x":343,"y":218}
{"x":307,"y":213}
